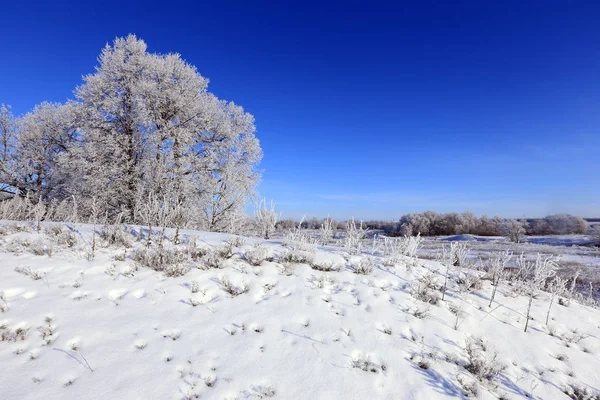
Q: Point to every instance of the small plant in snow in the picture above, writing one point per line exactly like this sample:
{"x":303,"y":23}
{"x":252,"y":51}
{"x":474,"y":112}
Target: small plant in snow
{"x":266,"y":218}
{"x":116,"y":235}
{"x":425,"y":288}
{"x":212,"y":259}
{"x":298,"y":256}
{"x":47,"y":331}
{"x":4,"y":305}
{"x":484,"y":365}
{"x":232,"y":289}
{"x":194,"y":251}
{"x":110,"y":270}
{"x":457,"y":254}
{"x":256,"y":255}
{"x":325,"y":266}
{"x":225,"y":250}
{"x":354,"y":235}
{"x":468,"y":281}
{"x":558,"y":287}
{"x":539,"y":271}
{"x":364,"y":266}
{"x":362,"y":362}
{"x":496,"y":271}
{"x":579,"y":392}
{"x":13,"y":334}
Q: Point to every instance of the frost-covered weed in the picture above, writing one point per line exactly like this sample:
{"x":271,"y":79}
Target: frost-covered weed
{"x":364,"y":266}
{"x":256,"y":255}
{"x":298,"y":256}
{"x":426,"y":288}
{"x":483,"y":364}
{"x":325,"y":266}
{"x":171,"y":261}
{"x":232,"y":289}
{"x":116,"y":235}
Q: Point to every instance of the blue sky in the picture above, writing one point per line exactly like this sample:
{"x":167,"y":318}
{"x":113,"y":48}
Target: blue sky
{"x":365,"y":109}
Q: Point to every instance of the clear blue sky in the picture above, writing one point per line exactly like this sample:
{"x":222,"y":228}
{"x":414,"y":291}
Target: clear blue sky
{"x":365,"y":109}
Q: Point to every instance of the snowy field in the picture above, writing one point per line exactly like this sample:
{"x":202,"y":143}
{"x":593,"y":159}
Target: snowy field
{"x":576,"y":252}
{"x":304,"y":322}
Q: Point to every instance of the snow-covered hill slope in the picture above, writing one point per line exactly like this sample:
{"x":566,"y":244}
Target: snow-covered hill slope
{"x":73,"y":327}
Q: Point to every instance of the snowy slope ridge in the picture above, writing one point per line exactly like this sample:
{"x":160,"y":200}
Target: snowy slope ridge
{"x":254,"y":319}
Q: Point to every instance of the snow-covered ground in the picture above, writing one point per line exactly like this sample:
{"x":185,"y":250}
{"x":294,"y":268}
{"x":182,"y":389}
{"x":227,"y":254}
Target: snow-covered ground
{"x":75,"y":328}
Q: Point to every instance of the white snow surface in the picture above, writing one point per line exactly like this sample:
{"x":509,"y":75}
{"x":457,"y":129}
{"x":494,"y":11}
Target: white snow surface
{"x":135,"y":335}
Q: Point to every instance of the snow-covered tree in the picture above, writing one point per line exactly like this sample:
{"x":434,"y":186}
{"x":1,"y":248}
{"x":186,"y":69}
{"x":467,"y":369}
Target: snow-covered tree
{"x":45,"y":134}
{"x":513,"y":230}
{"x":8,"y":137}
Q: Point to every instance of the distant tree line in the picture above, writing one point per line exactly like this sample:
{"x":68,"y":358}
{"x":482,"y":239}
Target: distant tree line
{"x":431,"y":223}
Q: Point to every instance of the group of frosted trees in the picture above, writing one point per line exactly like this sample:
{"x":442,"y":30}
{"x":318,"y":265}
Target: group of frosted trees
{"x":431,"y":223}
{"x":142,"y":138}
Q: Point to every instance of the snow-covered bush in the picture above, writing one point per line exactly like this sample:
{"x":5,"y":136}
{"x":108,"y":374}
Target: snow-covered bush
{"x":212,"y":259}
{"x":468,"y":281}
{"x":116,"y":235}
{"x":231,"y":288}
{"x":363,"y":266}
{"x":426,"y":288}
{"x":325,"y":266}
{"x":256,"y":255}
{"x":353,"y":237}
{"x":482,"y":362}
{"x":194,"y":251}
{"x":298,"y":256}
{"x":265,"y":218}
{"x":171,"y":261}
{"x":457,"y":255}
{"x":580,"y":392}
{"x":327,"y":230}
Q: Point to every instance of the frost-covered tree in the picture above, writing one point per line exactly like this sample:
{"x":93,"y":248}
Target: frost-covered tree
{"x":148,"y":126}
{"x":513,"y":230}
{"x":45,"y":134}
{"x":8,"y":137}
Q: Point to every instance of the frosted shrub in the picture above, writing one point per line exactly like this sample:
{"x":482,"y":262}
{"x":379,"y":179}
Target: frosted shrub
{"x":580,"y":392}
{"x":536,"y":274}
{"x":364,"y":266}
{"x":116,"y":235}
{"x":266,"y":218}
{"x":354,"y":235}
{"x":212,"y":259}
{"x":40,"y":248}
{"x":171,"y":261}
{"x":194,"y":251}
{"x":299,"y":239}
{"x":426,"y":288}
{"x":468,"y":281}
{"x":67,"y":238}
{"x":325,"y":266}
{"x":411,"y":245}
{"x":225,"y":250}
{"x":232,"y":289}
{"x":13,"y":334}
{"x":256,"y":255}
{"x":298,"y":257}
{"x":483,"y":365}
{"x":457,"y":254}
{"x":327,"y":230}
